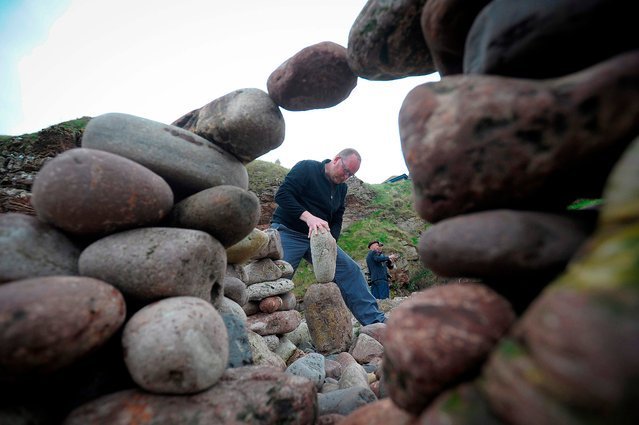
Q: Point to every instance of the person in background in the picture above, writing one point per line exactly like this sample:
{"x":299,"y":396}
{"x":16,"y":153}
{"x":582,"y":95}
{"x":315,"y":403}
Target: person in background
{"x":310,"y":200}
{"x":378,"y":265}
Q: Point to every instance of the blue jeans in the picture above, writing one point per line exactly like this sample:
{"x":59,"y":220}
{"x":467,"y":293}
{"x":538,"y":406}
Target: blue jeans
{"x":348,"y":276}
{"x":380,"y":289}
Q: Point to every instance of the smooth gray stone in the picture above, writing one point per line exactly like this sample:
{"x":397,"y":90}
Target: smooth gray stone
{"x":178,"y":345}
{"x":246,"y":123}
{"x":263,"y":270}
{"x":188,"y":162}
{"x":261,"y":290}
{"x":344,"y":401}
{"x":239,"y":348}
{"x":30,"y":248}
{"x":311,"y":366}
{"x":157,"y":262}
{"x":324,"y":255}
{"x":235,"y":290}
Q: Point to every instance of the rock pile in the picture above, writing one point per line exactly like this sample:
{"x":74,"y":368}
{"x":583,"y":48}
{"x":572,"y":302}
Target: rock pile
{"x":126,"y":299}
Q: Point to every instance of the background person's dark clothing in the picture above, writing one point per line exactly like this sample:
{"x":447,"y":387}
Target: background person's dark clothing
{"x":306,"y":188}
{"x":378,"y":273}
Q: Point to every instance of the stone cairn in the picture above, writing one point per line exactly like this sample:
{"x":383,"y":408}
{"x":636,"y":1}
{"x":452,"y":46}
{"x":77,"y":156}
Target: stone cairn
{"x":125,"y":300}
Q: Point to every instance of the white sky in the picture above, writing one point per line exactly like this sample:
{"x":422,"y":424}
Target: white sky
{"x":159,"y":59}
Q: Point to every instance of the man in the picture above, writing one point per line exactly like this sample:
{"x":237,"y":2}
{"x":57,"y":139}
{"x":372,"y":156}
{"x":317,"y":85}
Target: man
{"x":310,"y":200}
{"x":377,"y":268}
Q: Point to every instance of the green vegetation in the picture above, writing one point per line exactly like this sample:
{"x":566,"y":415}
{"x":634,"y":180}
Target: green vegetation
{"x":264,"y":175}
{"x":580,"y":204}
{"x":25,"y":141}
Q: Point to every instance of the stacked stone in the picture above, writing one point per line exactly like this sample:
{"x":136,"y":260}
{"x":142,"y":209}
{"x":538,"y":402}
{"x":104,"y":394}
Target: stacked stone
{"x":539,"y":116}
{"x":115,"y":286}
{"x":269,"y":303}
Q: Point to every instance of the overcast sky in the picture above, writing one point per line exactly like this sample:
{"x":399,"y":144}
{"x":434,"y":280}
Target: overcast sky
{"x":157,"y":59}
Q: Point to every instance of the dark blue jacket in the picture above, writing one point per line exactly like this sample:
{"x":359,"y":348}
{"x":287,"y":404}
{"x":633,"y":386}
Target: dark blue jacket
{"x":306,"y":188}
{"x":376,"y":263}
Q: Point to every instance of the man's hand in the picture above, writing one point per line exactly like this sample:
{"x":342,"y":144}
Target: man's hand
{"x":315,"y":224}
{"x":393,"y":257}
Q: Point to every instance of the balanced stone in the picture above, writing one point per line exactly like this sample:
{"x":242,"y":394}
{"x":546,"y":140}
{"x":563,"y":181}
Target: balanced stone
{"x":261,"y":271}
{"x":316,"y":77}
{"x":178,"y":345}
{"x":228,"y":213}
{"x":31,"y":248}
{"x":287,"y":268}
{"x":188,"y":162}
{"x":246,"y":123}
{"x":270,"y":304}
{"x":86,"y":191}
{"x":448,"y":331}
{"x":157,"y":262}
{"x":517,"y":143}
{"x":245,"y":249}
{"x":235,"y":289}
{"x":504,"y":244}
{"x":328,"y":318}
{"x":445,"y":25}
{"x":552,"y":37}
{"x":49,"y":322}
{"x":273,"y":249}
{"x":323,"y":255}
{"x":250,"y":394}
{"x":386,"y":42}
{"x":464,"y":404}
{"x":261,"y":290}
{"x":277,"y":323}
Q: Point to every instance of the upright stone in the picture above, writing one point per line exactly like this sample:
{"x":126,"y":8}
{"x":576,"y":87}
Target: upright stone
{"x":188,"y":162}
{"x":324,"y":255}
{"x":246,"y":123}
{"x":328,"y":318}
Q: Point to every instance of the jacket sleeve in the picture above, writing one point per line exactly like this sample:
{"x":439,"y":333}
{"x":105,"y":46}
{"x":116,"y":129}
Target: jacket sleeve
{"x":291,"y":189}
{"x":380,"y":258}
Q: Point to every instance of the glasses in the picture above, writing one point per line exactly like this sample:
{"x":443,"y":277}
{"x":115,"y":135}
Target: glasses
{"x":347,"y":172}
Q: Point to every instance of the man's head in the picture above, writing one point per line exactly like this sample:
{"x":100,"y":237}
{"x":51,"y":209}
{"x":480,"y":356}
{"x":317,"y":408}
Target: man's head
{"x":343,"y":166}
{"x":375,"y":245}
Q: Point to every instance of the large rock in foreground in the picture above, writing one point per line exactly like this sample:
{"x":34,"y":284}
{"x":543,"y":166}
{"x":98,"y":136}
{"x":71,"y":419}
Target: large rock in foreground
{"x":473,"y":143}
{"x":250,"y":394}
